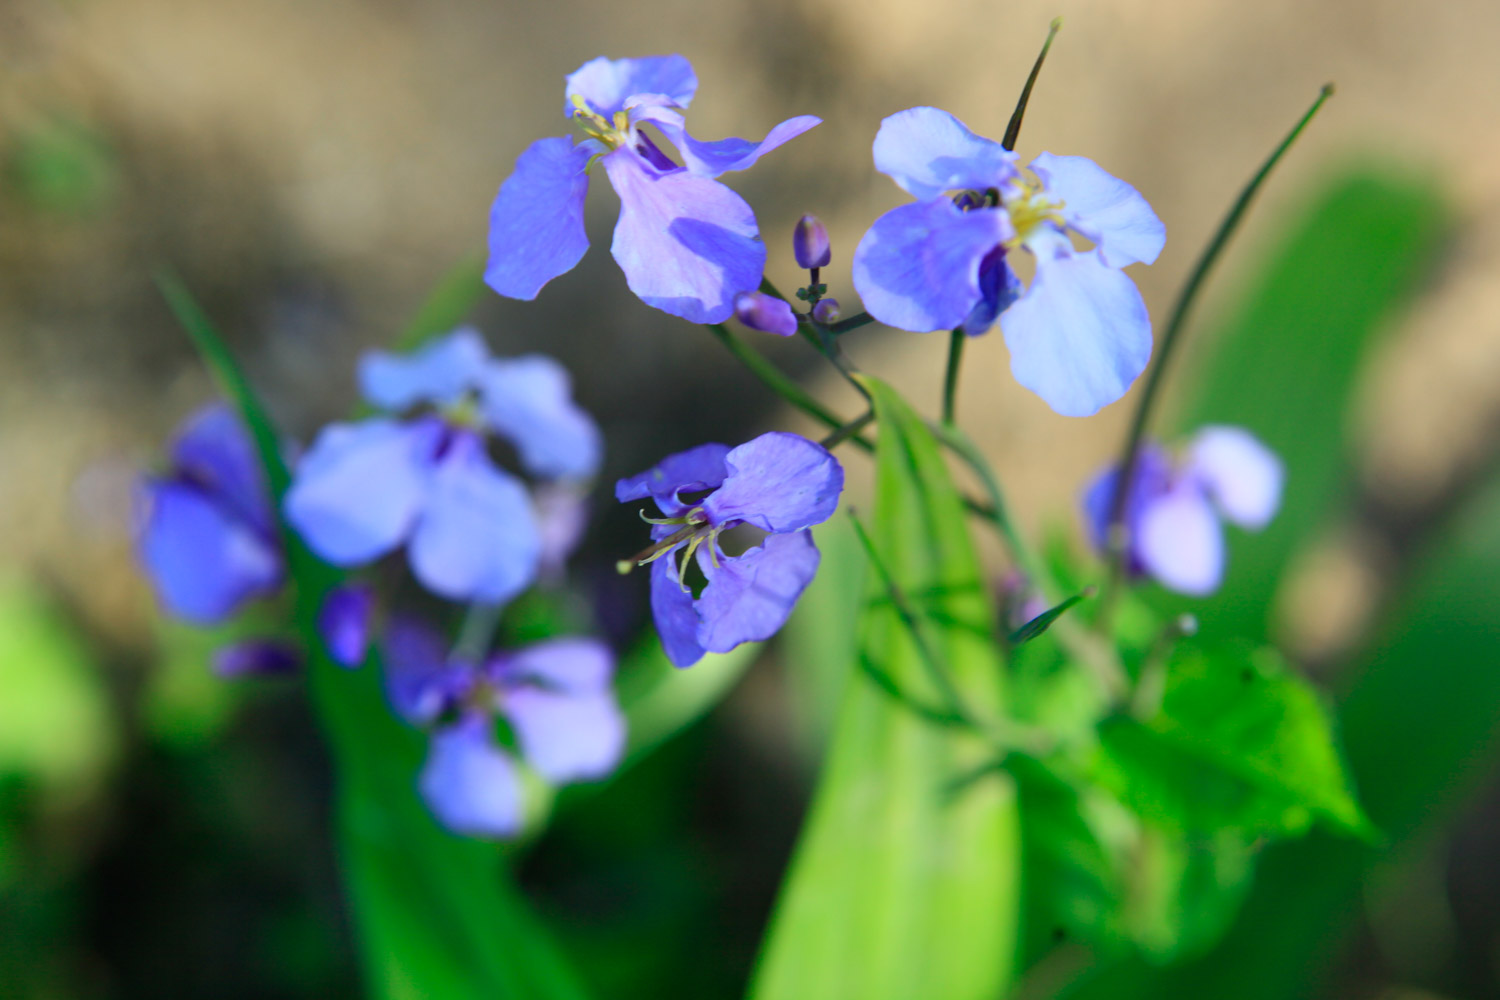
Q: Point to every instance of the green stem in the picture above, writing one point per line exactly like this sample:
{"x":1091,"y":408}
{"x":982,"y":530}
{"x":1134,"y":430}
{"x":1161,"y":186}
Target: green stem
{"x":997,"y":512}
{"x":950,"y":377}
{"x":1173,"y":333}
{"x":852,"y":323}
{"x":477,"y":632}
{"x":1013,"y":130}
{"x":848,"y":431}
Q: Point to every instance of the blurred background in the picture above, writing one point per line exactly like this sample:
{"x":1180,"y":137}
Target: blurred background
{"x":313,"y":168}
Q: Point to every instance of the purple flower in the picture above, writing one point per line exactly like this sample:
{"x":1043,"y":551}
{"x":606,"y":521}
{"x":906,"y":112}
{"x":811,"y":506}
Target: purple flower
{"x":778,"y":483}
{"x":208,"y":538}
{"x":1173,"y":509}
{"x":766,"y":313}
{"x":810,"y":244}
{"x":365,"y":489}
{"x":1079,"y":335}
{"x":555,"y":697}
{"x":686,"y":243}
{"x":345,"y":621}
{"x":256,"y":658}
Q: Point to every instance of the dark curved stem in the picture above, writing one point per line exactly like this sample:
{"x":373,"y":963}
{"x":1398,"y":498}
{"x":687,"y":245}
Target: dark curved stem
{"x":1013,"y":130}
{"x":950,"y":376}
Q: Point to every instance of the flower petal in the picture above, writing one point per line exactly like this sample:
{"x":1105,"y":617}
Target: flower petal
{"x":214,"y":450}
{"x":1243,"y":476}
{"x":1080,"y":334}
{"x":750,"y":596}
{"x":203,"y":559}
{"x":439,"y":373}
{"x":998,"y":289}
{"x":1181,"y":543}
{"x":358,"y":490}
{"x":469,"y":783}
{"x":536,"y":223}
{"x":420,"y":682}
{"x":710,"y":159}
{"x":1153,"y":473}
{"x":673,"y":611}
{"x":918,"y":266}
{"x":928,"y":151}
{"x":777,"y":482}
{"x":344,"y":623}
{"x":1103,"y":208}
{"x":570,"y":665}
{"x":256,"y":658}
{"x":562,"y":516}
{"x":606,"y":84}
{"x":567,"y":737}
{"x":477,"y":538}
{"x":688,"y":245}
{"x":766,"y":313}
{"x":529,"y":401}
{"x":700,"y":468}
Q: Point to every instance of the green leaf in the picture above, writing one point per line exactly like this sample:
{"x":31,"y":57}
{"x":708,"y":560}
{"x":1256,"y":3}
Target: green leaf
{"x":1240,"y":743}
{"x":898,"y":889}
{"x":1043,"y":621}
{"x":455,"y":296}
{"x":437,"y":915}
{"x":1285,"y":362}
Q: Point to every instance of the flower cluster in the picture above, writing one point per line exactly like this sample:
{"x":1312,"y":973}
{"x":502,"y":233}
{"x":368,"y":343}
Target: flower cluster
{"x":687,"y":244}
{"x":779,"y":483}
{"x":1173,"y":508}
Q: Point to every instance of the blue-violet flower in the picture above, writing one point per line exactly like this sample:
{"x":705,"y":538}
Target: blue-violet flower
{"x":686,"y":243}
{"x":781,"y":484}
{"x":1079,"y":334}
{"x":1173,"y":508}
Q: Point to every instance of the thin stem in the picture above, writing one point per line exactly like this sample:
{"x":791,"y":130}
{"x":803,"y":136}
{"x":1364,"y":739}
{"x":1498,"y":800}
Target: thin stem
{"x":1173,"y":333}
{"x":848,"y":431}
{"x":956,"y":441}
{"x":477,"y":632}
{"x":950,"y":377}
{"x":852,"y":323}
{"x":1013,"y":130}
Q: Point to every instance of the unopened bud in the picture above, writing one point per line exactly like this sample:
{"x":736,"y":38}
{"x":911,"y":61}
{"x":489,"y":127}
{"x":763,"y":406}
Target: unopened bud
{"x":256,"y":658}
{"x":810,"y":243}
{"x":826,"y":311}
{"x":759,"y":311}
{"x":345,"y":621}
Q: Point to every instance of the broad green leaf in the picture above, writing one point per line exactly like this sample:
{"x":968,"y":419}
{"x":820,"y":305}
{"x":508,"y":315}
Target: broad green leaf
{"x":1240,"y":743}
{"x":438,"y":916}
{"x":1284,"y":364}
{"x":898,"y":889}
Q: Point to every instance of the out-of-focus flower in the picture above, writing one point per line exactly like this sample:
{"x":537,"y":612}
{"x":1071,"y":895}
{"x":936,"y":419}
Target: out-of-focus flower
{"x":208,"y":537}
{"x":826,"y":311}
{"x":760,"y":311}
{"x":345,"y":621}
{"x":810,"y":243}
{"x":1173,"y":509}
{"x":779,"y":483}
{"x":257,"y":658}
{"x":555,"y":695}
{"x":1079,"y":334}
{"x":364,"y":489}
{"x":687,"y":244}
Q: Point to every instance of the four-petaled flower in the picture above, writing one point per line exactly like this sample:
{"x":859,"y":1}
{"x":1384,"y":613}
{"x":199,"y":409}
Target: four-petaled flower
{"x":1079,"y":334}
{"x":555,"y":696}
{"x":687,"y":244}
{"x":471,"y":529}
{"x":208,"y":539}
{"x":779,"y":483}
{"x":1173,"y":509}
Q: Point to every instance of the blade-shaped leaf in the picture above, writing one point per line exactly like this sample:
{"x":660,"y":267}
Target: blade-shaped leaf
{"x":438,"y":916}
{"x":897,"y":889}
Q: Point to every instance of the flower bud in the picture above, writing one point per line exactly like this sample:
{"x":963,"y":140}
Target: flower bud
{"x":810,"y":243}
{"x":759,"y":311}
{"x":344,"y":622}
{"x":826,"y":311}
{"x":256,"y":658}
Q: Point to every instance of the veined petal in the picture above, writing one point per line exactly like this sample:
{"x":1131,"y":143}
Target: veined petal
{"x":700,"y":468}
{"x":213,"y":450}
{"x":204,"y":560}
{"x":536,"y":223}
{"x":1103,"y":208}
{"x":358,"y":489}
{"x":1181,"y":543}
{"x":567,"y":737}
{"x":687,"y":244}
{"x":777,"y":482}
{"x":477,"y":538}
{"x":750,"y":596}
{"x":1080,"y":334}
{"x":606,"y":84}
{"x":529,"y":401}
{"x":918,"y":266}
{"x":928,"y":151}
{"x":1243,"y":476}
{"x":710,"y":159}
{"x":469,"y":783}
{"x":440,"y":373}
{"x":673,"y":612}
